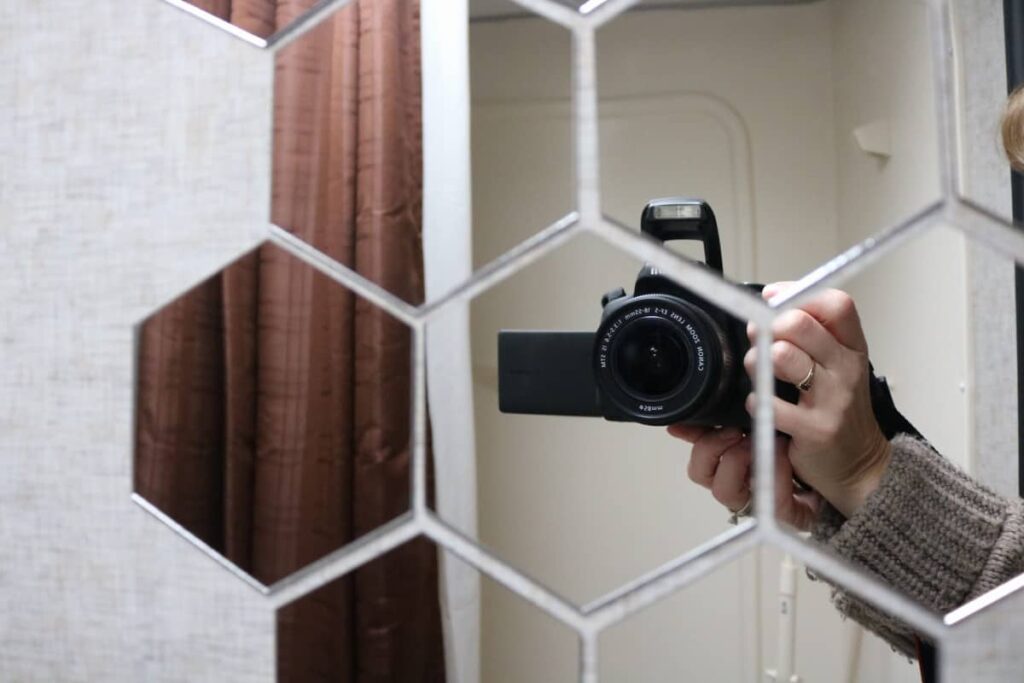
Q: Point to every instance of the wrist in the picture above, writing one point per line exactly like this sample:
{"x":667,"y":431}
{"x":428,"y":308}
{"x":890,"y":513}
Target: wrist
{"x":850,"y":496}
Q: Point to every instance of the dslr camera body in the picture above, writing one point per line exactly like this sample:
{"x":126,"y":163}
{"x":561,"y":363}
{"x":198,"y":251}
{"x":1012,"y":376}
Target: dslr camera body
{"x":661,"y":356}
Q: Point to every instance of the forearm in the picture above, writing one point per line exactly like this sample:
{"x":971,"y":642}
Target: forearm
{"x":929,"y":531}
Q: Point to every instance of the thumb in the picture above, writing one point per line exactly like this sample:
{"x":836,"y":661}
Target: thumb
{"x":773,"y":288}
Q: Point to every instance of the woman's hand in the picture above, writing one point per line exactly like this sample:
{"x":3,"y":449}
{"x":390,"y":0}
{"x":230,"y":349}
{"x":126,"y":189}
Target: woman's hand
{"x":721,"y":461}
{"x":836,"y":444}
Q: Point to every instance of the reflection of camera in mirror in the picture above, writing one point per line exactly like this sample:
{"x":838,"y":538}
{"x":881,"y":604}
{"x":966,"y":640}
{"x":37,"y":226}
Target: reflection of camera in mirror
{"x":661,"y":356}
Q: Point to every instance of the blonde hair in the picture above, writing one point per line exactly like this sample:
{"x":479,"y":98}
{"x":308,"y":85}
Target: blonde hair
{"x":1013,"y":128}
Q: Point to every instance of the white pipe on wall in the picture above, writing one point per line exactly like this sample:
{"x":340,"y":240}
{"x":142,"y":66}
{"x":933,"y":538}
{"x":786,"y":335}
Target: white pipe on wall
{"x":786,"y":653}
{"x":855,"y":643}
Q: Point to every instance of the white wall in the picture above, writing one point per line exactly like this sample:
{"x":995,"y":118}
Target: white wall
{"x":981,"y":60}
{"x":118,"y":190}
{"x":776,"y":93}
{"x":769,"y":67}
{"x":916,"y":296}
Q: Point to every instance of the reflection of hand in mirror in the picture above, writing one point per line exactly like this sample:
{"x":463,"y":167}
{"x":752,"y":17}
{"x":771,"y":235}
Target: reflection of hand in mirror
{"x":898,"y":508}
{"x":836,"y":444}
{"x":721,"y":460}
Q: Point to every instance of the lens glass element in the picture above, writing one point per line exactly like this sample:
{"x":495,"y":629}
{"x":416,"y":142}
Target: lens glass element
{"x":650,"y":359}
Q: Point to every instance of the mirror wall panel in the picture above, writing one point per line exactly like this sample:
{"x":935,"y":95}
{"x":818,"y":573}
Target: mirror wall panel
{"x":916,"y":313}
{"x":384,"y":621}
{"x":980,"y":41}
{"x":730,"y":626}
{"x":520,"y":643}
{"x":520,"y":80}
{"x":348,"y":160}
{"x":583,"y":504}
{"x":260,"y":18}
{"x":807,"y":126}
{"x":174,"y":616}
{"x":273,"y":414}
{"x":586,"y":505}
{"x":707,"y":631}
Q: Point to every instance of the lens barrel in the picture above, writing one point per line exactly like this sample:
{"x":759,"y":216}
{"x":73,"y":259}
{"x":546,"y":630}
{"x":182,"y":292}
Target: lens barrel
{"x":659,"y":359}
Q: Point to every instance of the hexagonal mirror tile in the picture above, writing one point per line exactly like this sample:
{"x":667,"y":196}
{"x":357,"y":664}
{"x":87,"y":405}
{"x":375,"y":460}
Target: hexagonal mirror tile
{"x":932,"y":513}
{"x":348,"y":160}
{"x":758,"y":617}
{"x":806,"y":126}
{"x":983,"y":644}
{"x":937,"y":315}
{"x":580,"y":502}
{"x":419,"y":613}
{"x":272,"y":414}
{"x":252,"y":19}
{"x":505,"y":9}
{"x":984,"y":66}
{"x":520,"y":86}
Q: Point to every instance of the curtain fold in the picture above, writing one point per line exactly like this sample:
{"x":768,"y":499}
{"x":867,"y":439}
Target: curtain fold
{"x":274,"y":405}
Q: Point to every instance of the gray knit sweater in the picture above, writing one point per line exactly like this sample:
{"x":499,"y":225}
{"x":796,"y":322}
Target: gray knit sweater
{"x":931,"y":532}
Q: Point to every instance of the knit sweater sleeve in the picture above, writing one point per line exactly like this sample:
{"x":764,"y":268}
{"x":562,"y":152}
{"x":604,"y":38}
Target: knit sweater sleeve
{"x":931,"y":532}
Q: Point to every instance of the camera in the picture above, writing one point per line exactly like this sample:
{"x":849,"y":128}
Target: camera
{"x":661,"y":356}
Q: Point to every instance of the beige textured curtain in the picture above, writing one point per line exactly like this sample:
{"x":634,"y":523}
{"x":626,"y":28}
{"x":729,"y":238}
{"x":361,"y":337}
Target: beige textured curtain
{"x":273,"y":417}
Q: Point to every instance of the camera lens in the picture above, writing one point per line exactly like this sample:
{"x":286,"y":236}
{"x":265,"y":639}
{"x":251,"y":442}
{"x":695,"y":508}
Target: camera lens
{"x":650,"y":359}
{"x":659,"y":359}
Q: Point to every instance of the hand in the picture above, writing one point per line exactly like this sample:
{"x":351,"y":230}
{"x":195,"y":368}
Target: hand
{"x":720,"y":461}
{"x":836,"y":444}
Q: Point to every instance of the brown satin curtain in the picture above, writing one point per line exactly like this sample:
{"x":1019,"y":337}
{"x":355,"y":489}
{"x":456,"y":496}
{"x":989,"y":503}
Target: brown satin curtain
{"x":273,"y":416}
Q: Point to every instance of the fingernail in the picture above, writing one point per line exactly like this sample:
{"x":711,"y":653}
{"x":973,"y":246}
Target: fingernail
{"x":770,"y":290}
{"x":730,"y":434}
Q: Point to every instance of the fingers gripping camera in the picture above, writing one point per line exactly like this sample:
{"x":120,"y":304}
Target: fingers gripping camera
{"x":661,"y":356}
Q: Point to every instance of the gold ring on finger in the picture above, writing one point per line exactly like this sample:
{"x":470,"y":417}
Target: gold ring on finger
{"x":808,"y":381}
